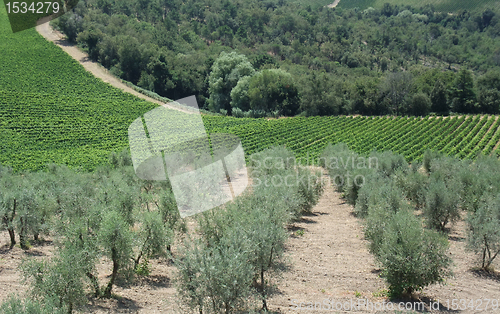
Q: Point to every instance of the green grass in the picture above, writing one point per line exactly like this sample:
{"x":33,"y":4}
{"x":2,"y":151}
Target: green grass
{"x":439,"y":5}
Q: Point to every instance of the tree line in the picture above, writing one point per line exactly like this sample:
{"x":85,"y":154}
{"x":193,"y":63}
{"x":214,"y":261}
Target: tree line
{"x":394,"y":60}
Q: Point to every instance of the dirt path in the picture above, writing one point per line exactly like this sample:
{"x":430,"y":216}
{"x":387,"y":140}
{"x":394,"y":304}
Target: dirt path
{"x":334,"y":4}
{"x":330,"y":260}
{"x":96,"y":69}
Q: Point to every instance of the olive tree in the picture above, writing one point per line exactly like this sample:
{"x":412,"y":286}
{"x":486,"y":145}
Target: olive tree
{"x":115,"y":238}
{"x":483,"y":233}
{"x":412,"y":257}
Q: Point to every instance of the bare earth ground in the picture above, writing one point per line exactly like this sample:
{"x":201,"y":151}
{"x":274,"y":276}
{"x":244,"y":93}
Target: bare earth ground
{"x":329,"y":261}
{"x":334,"y":4}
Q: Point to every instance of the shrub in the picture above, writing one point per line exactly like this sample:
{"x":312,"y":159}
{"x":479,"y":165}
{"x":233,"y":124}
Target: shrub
{"x":479,"y":178}
{"x":310,"y":187}
{"x":116,"y":239}
{"x":378,"y":191}
{"x":388,"y":163}
{"x":441,"y":204}
{"x":153,"y":238}
{"x":429,"y":156}
{"x":386,"y":202}
{"x":61,"y":279}
{"x":215,"y":278}
{"x":483,"y":234}
{"x":414,"y":185}
{"x":237,"y":112}
{"x":16,"y":305}
{"x":354,"y":181}
{"x":340,"y":163}
{"x":412,"y":257}
{"x":273,"y":160}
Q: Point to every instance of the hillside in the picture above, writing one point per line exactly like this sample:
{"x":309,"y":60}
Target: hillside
{"x":439,"y":5}
{"x":53,"y":111}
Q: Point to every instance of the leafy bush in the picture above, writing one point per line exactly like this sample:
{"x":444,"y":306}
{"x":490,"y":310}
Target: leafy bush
{"x":441,"y":204}
{"x":429,"y":156}
{"x":63,"y":278}
{"x":388,"y":163}
{"x":412,"y":257}
{"x":16,"y":305}
{"x":385,"y":203}
{"x":338,"y":160}
{"x":310,"y":189}
{"x":483,"y":234}
{"x":414,"y":185}
{"x":237,"y":113}
{"x":215,"y":278}
{"x":116,"y":239}
{"x":271,"y":161}
{"x":479,"y":178}
{"x":378,"y":191}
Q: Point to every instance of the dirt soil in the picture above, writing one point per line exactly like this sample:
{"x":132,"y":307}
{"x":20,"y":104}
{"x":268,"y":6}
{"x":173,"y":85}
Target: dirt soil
{"x":334,"y":4}
{"x":328,"y":262}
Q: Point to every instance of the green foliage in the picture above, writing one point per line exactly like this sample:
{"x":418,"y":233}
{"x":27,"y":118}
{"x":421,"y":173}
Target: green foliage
{"x":463,"y":93}
{"x":226,"y":72}
{"x":354,"y":48}
{"x":310,"y":187}
{"x":16,"y":305}
{"x":483,"y":233}
{"x":397,"y":87}
{"x":273,"y":89}
{"x":116,"y":239}
{"x":73,"y":117}
{"x":429,"y":156}
{"x":153,"y":238}
{"x":439,"y":99}
{"x":420,"y":104}
{"x":240,"y":100}
{"x":414,"y":185}
{"x":442,"y":203}
{"x":381,"y":210}
{"x":61,"y":278}
{"x":215,"y":279}
{"x":412,"y":257}
{"x":252,"y":232}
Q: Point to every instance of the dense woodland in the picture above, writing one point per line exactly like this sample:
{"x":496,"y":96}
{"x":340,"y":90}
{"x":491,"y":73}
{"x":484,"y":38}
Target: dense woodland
{"x":394,"y":60}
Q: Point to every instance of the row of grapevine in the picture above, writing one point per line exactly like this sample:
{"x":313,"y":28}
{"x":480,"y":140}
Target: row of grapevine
{"x":463,"y":136}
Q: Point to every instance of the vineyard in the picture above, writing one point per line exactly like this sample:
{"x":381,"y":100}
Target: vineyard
{"x":463,"y":137}
{"x":53,"y":111}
